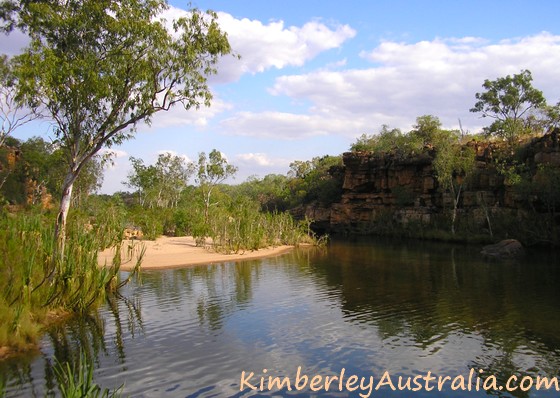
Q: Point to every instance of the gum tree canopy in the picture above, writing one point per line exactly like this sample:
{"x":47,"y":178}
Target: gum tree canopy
{"x":98,"y":67}
{"x":509,"y":100}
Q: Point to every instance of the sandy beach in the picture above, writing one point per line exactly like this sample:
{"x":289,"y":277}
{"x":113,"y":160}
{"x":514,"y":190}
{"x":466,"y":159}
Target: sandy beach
{"x":175,"y":252}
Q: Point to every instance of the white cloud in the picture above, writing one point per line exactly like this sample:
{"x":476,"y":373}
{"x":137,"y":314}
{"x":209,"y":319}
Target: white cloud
{"x":116,"y":171}
{"x":438,"y":77}
{"x":259,"y":164}
{"x":256,"y":158}
{"x":179,"y":116}
{"x":272,"y":45}
{"x":285,"y":126}
{"x":113,"y":156}
{"x":115,"y":153}
{"x":174,"y":153}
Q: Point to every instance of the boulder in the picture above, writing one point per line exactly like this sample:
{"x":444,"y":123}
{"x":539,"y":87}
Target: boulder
{"x":508,"y":248}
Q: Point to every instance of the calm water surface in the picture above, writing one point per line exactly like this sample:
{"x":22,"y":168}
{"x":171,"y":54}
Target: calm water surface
{"x":366,"y":306}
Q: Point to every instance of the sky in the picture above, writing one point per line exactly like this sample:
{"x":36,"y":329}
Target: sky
{"x":315,"y":75}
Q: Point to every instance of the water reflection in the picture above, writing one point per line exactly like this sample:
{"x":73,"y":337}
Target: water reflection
{"x":66,"y":343}
{"x":430,"y":293}
{"x":366,"y":306}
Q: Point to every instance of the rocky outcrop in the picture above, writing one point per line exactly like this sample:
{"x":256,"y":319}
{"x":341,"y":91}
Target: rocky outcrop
{"x":508,"y":248}
{"x":384,"y":188}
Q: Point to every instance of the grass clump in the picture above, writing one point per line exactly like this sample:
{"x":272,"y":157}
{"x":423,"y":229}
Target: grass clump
{"x":241,"y":226}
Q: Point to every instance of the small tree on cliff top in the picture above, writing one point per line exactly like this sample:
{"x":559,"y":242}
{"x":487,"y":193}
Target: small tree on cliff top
{"x":509,"y":101}
{"x":98,"y":67}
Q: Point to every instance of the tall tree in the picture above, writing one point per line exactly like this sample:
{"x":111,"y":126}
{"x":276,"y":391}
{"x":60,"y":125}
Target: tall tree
{"x":509,"y":101}
{"x":211,"y":171}
{"x":99,"y":67}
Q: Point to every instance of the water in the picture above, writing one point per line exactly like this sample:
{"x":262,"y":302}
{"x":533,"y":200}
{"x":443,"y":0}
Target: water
{"x":365,"y":306}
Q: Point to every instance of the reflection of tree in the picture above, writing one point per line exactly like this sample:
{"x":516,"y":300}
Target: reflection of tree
{"x":503,"y":366}
{"x":244,"y":282}
{"x":81,"y":335}
{"x":217,"y":289}
{"x":133,"y":309}
{"x":227,"y":287}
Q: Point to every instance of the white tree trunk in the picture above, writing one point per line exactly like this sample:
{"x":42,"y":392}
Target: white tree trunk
{"x":60,"y":226}
{"x":456,"y":197}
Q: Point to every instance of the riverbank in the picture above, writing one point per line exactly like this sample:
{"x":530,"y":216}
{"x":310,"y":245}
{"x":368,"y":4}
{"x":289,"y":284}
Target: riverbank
{"x":176,"y":252}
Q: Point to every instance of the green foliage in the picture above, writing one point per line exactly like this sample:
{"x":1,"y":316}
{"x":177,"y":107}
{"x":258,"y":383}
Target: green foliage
{"x":106,"y":216}
{"x":427,"y":130}
{"x":547,"y":186}
{"x":388,"y":141}
{"x":454,"y":164}
{"x":553,"y":116}
{"x":271,"y":191}
{"x":543,"y":188}
{"x":319,"y":179}
{"x":509,"y":101}
{"x":236,"y":223}
{"x":150,"y":221}
{"x":39,"y":169}
{"x":77,"y":381}
{"x":12,"y":114}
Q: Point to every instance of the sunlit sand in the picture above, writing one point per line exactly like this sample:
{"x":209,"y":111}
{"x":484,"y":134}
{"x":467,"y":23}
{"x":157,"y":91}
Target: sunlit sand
{"x":174,"y":252}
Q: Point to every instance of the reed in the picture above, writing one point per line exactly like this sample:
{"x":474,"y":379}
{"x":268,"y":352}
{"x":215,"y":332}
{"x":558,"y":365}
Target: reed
{"x":77,"y":381}
{"x":31,"y":291}
{"x":242,"y":226}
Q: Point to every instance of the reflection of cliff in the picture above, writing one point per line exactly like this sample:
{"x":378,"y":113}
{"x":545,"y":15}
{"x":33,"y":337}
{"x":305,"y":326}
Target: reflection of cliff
{"x":425,"y":292}
{"x":385,"y":188}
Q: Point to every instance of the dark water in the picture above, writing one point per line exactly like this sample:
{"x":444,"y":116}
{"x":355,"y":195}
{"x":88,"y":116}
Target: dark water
{"x":367,"y":307}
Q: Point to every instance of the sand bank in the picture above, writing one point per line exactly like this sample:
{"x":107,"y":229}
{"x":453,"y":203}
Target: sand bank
{"x":175,"y":252}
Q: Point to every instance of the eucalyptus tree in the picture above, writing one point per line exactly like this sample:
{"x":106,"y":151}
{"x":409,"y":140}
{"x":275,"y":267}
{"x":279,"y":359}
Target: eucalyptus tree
{"x":210,"y":171}
{"x":99,"y":67}
{"x":160,"y":184}
{"x":509,"y":101}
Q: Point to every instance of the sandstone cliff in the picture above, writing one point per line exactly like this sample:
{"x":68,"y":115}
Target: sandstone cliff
{"x":383,"y":188}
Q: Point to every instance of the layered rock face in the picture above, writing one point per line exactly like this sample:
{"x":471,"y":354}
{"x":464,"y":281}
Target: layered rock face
{"x":403,"y":190}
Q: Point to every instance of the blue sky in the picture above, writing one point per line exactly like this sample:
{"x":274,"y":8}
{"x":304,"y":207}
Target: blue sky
{"x":315,"y":75}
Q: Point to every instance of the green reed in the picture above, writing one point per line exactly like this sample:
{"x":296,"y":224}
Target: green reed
{"x":31,"y":292}
{"x":242,"y":227}
{"x":77,"y":381}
